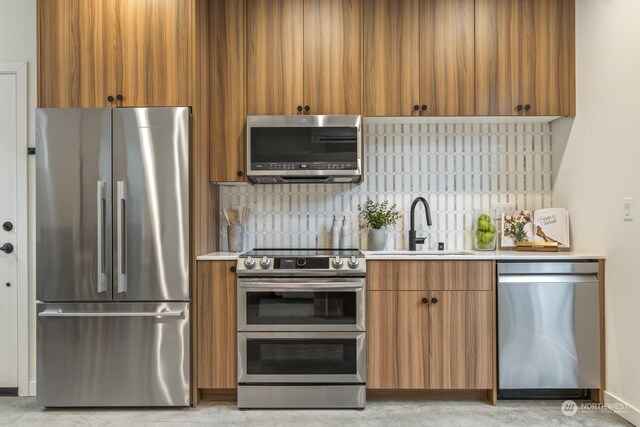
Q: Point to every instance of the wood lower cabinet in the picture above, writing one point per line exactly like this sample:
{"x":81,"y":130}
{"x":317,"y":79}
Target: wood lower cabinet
{"x":89,"y":51}
{"x":525,"y":57}
{"x":422,"y":338}
{"x":216,"y":325}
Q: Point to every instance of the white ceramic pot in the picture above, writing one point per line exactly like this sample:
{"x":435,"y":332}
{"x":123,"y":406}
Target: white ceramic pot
{"x":376,"y":239}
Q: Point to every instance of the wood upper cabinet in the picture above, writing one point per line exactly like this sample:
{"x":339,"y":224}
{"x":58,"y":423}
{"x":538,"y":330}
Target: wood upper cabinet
{"x":332,"y":56}
{"x":90,"y":50}
{"x":216,"y":325}
{"x":154,"y":52}
{"x":274,"y":56}
{"x":430,"y":329}
{"x":525,"y":57}
{"x":447,"y":57}
{"x":391,"y":57}
{"x":419,"y":57}
{"x":76,"y":53}
{"x":226,"y":76}
{"x":304,"y":53}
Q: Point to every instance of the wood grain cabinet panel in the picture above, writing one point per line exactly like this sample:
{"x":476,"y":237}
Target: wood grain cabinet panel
{"x":332,"y":56}
{"x":397,"y":347}
{"x":461,"y":340}
{"x":525,"y":56}
{"x":274,"y":56}
{"x":391,"y":57}
{"x":155,"y":52}
{"x":430,"y":275}
{"x":227,"y":78}
{"x":76,"y":53}
{"x":447,"y":57}
{"x":216,"y":333}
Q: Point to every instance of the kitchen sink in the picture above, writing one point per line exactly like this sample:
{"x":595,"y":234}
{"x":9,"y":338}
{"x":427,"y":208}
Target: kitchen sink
{"x":423,"y":253}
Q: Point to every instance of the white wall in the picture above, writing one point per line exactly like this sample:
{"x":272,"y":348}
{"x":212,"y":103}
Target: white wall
{"x":18,"y":43}
{"x":599,"y":167}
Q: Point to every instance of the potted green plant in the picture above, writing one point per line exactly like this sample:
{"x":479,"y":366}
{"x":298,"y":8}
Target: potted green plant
{"x":376,"y":216}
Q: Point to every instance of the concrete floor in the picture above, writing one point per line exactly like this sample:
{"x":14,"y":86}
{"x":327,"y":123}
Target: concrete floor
{"x":22,"y":411}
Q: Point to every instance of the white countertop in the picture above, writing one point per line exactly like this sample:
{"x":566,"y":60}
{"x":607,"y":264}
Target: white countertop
{"x":480,"y":255}
{"x":446,"y":255}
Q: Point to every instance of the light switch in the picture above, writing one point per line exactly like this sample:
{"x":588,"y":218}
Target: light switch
{"x":628,"y":208}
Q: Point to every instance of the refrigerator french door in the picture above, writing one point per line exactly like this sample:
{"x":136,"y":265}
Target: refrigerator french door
{"x":112,"y":269}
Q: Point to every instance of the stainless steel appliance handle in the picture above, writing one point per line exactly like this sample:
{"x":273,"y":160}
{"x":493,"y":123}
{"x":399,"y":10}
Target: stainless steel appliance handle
{"x":157,"y":315}
{"x":302,"y":287}
{"x":302,"y":281}
{"x":101,"y":206}
{"x":122,"y":237}
{"x":547,"y":278}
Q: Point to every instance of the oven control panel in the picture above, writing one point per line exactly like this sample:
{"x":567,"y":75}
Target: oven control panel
{"x":336,"y":263}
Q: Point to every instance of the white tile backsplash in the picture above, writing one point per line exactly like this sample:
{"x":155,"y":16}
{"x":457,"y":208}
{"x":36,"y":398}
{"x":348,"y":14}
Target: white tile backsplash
{"x":457,"y":167}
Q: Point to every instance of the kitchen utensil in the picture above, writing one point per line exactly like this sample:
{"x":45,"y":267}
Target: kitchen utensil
{"x":226,"y":215}
{"x":245,"y":215}
{"x":233,"y":216}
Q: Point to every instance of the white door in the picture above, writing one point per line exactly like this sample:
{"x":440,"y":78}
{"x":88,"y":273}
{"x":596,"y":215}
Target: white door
{"x":8,"y":259}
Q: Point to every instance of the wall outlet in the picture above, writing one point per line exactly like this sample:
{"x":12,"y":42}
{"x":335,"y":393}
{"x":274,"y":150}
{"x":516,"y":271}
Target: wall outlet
{"x":627,"y":208}
{"x":499,"y":208}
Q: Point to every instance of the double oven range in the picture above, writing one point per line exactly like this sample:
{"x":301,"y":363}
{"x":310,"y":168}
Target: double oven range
{"x":301,"y":329}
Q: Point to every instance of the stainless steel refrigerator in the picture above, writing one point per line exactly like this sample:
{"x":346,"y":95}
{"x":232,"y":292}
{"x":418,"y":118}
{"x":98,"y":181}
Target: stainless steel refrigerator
{"x":112,"y":257}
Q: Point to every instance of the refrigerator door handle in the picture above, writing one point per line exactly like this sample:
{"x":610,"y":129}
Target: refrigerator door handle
{"x":158,"y":315}
{"x":122,"y":238}
{"x":102,"y":206}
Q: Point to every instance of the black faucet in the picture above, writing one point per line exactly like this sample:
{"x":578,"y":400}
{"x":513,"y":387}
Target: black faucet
{"x":413,"y":240}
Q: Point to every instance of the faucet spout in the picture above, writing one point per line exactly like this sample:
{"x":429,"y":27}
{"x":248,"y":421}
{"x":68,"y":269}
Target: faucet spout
{"x":413,"y":240}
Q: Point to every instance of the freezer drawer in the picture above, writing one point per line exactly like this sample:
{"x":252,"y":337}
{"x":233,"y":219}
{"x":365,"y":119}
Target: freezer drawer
{"x":113,"y":354}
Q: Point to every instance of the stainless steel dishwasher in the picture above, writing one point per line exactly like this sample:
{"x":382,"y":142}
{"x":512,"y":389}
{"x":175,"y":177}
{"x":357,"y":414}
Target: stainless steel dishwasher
{"x":548,"y":328}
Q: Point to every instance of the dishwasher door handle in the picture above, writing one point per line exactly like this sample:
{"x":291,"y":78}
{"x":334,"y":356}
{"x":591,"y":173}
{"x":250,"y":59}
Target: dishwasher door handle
{"x":547,"y":278}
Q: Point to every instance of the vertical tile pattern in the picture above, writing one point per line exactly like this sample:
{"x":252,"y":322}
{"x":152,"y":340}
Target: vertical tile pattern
{"x":457,"y":167}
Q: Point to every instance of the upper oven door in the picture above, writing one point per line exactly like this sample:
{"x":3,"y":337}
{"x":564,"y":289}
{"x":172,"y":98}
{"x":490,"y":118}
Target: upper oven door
{"x":310,"y":304}
{"x":303,"y":146}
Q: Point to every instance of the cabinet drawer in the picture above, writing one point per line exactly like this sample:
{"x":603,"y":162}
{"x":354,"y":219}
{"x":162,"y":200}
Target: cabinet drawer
{"x":409,"y":275}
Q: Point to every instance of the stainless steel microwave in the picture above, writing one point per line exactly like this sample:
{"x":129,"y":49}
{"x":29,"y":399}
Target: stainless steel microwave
{"x":304,"y":149}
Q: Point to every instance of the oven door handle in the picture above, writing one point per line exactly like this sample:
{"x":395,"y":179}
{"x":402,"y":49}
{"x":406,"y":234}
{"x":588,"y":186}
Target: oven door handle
{"x":306,"y":286}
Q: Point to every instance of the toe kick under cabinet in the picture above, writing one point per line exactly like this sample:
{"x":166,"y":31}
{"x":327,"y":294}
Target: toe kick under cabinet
{"x":431,"y":327}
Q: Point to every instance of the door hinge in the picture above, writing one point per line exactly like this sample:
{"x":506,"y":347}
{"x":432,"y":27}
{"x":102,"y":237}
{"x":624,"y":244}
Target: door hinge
{"x":31,"y":151}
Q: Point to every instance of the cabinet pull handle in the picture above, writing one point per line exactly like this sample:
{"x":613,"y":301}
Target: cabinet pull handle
{"x":425,"y":300}
{"x":519,"y":107}
{"x":416,"y":107}
{"x":434,"y":300}
{"x":307,"y":108}
{"x":232,"y":269}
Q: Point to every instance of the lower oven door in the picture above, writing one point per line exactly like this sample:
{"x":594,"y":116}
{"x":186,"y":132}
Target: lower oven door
{"x":301,"y":357}
{"x":309,"y":304}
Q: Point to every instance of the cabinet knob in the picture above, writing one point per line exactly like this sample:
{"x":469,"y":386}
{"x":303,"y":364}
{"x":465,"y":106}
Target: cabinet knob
{"x":119,"y":97}
{"x":425,"y":300}
{"x":519,"y":107}
{"x":232,"y":269}
{"x":7,"y":248}
{"x":416,"y":107}
{"x":424,"y":107}
{"x":239,"y":173}
{"x":7,"y":226}
{"x":8,"y":285}
{"x":307,"y":108}
{"x":110,"y":98}
{"x":434,"y":300}
{"x":299,"y":108}
{"x":527,"y":107}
